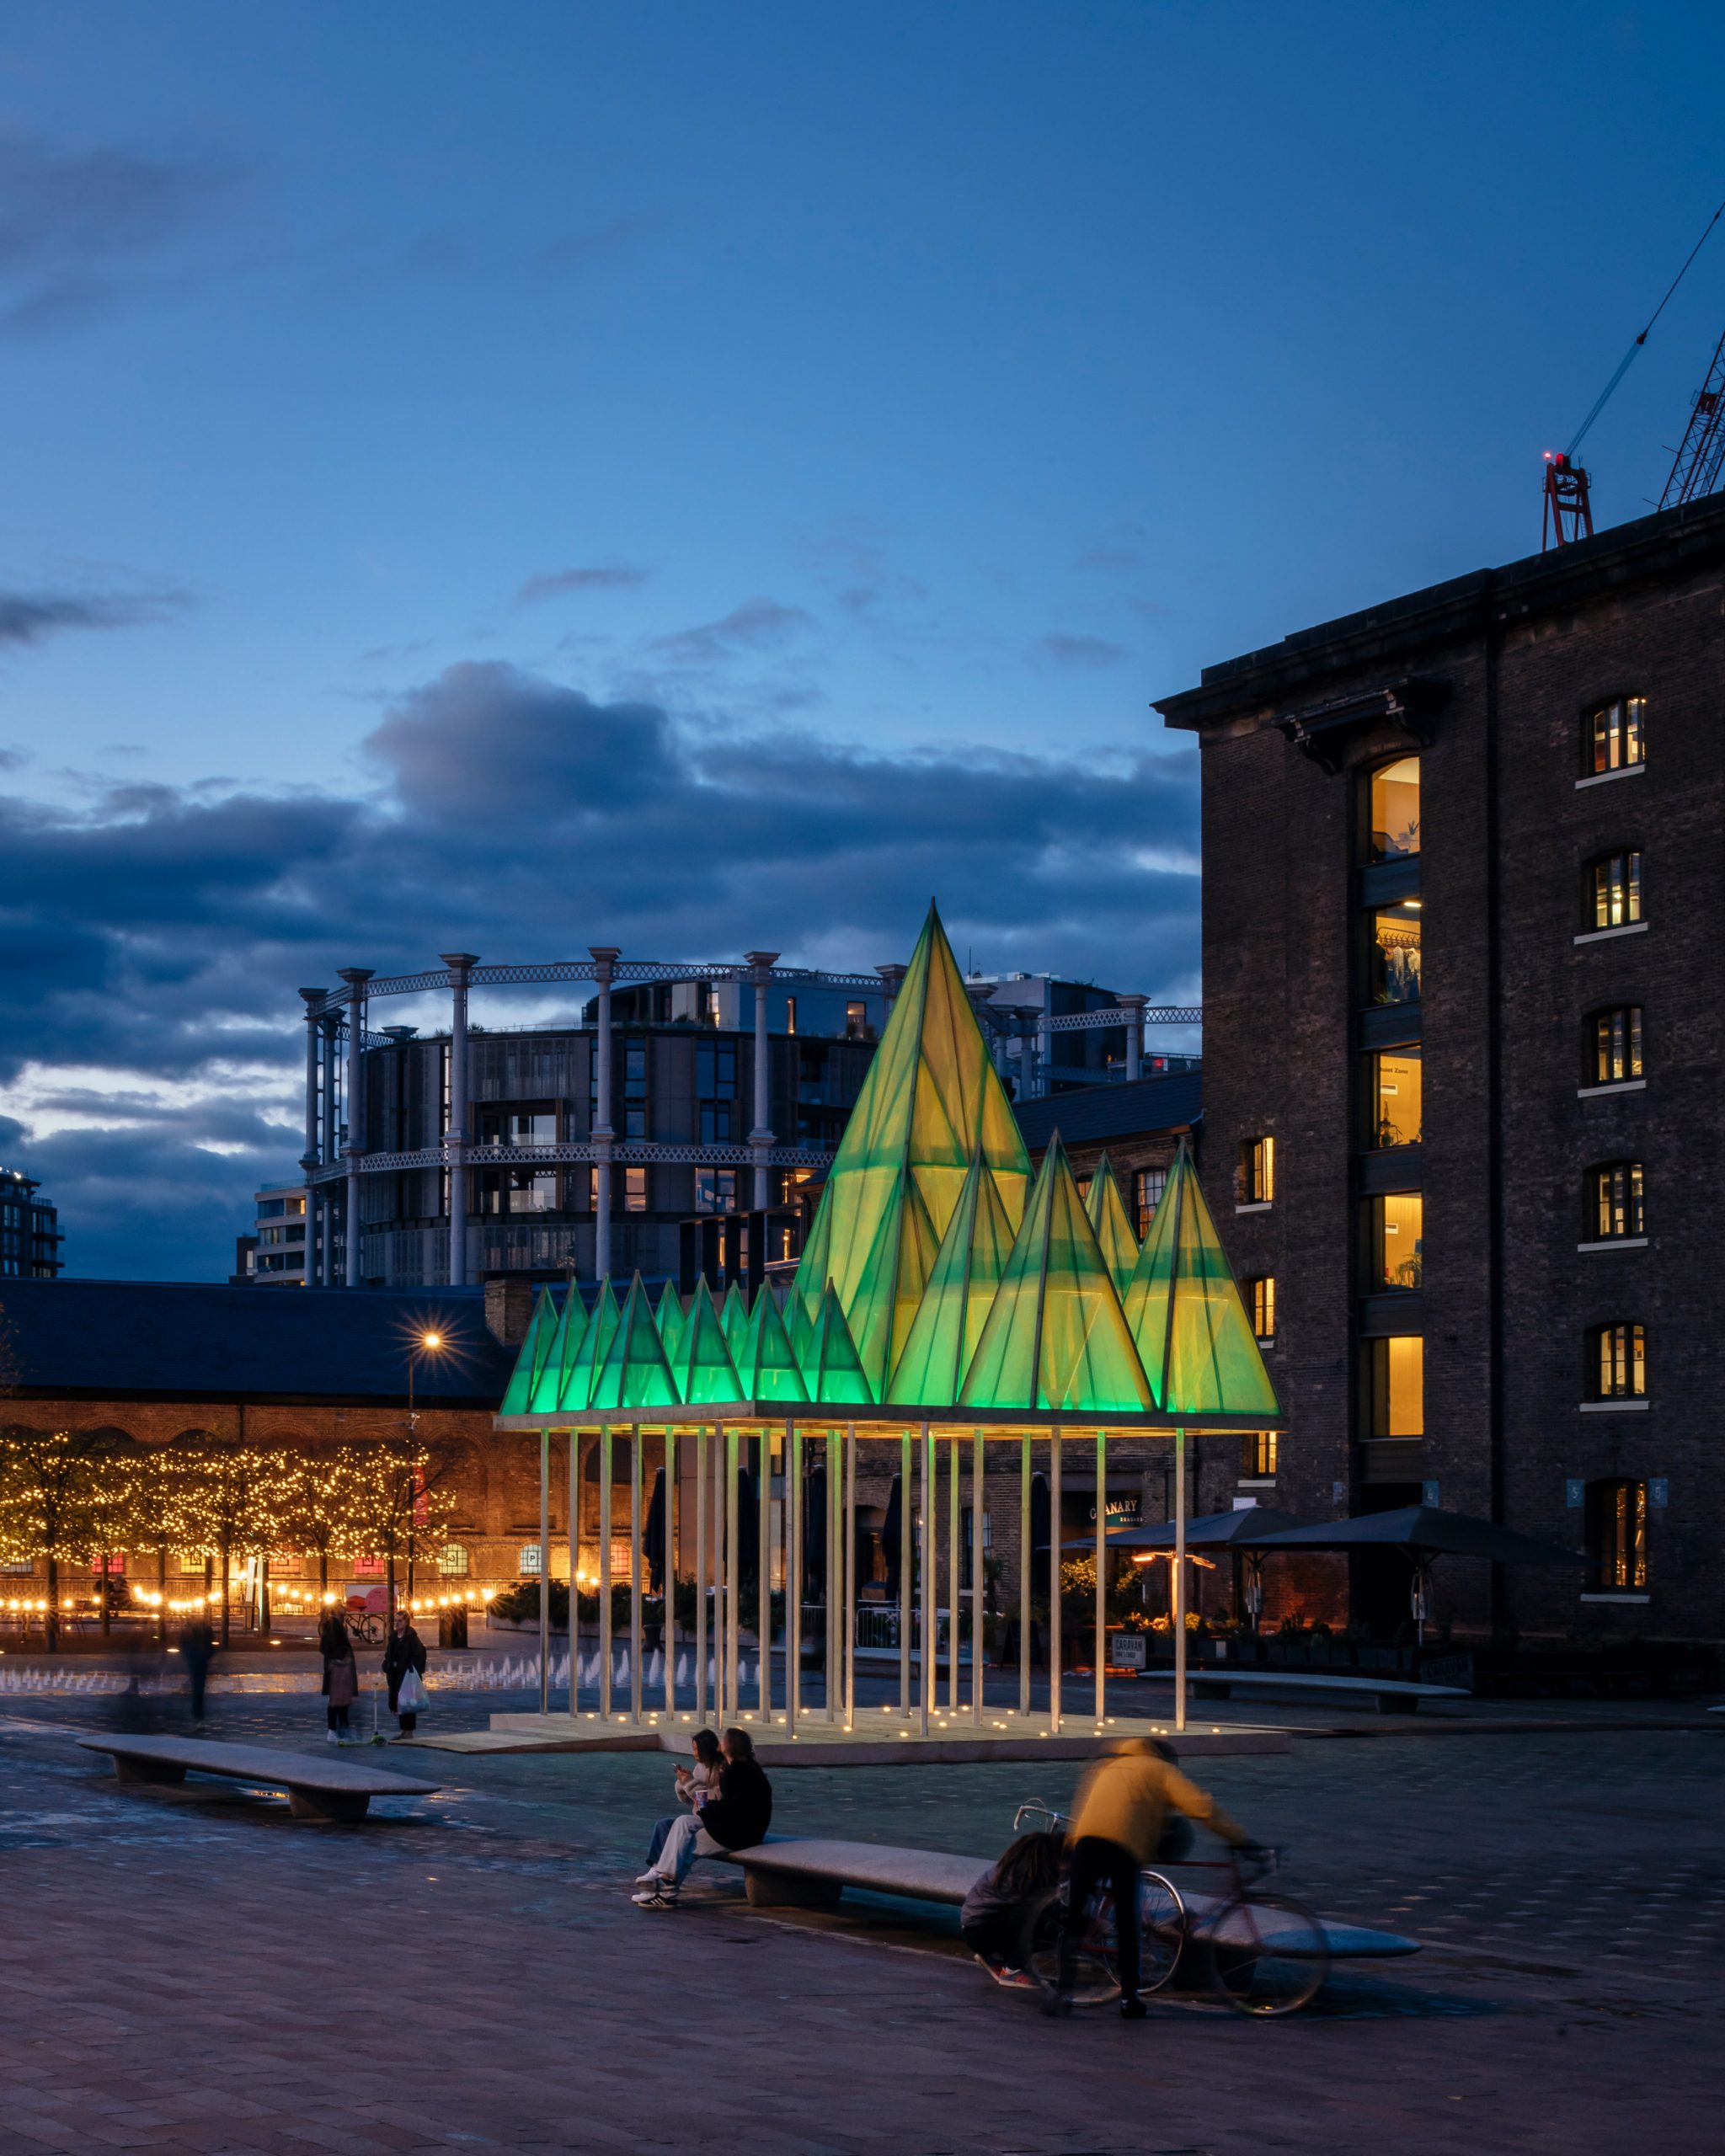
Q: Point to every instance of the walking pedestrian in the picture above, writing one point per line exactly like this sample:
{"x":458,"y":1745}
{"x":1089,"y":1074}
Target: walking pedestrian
{"x":197,"y":1649}
{"x":341,"y":1677}
{"x":404,"y":1651}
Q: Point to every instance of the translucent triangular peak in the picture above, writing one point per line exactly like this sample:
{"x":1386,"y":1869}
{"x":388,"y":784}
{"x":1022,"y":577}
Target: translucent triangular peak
{"x":1194,"y":1336}
{"x":635,"y":1372}
{"x":1055,"y":1338}
{"x":931,"y":1097}
{"x":766,"y":1365}
{"x":704,"y":1370}
{"x":832,"y":1369}
{"x":961,"y":1286}
{"x":1107,"y":1214}
{"x":734,"y":1318}
{"x":529,"y":1362}
{"x":671,"y":1321}
{"x":576,"y":1388}
{"x":891,"y":1282}
{"x":565,"y":1354}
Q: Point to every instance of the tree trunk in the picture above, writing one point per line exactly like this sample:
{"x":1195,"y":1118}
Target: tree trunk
{"x":226,"y":1578}
{"x":160,"y":1594}
{"x":51,"y":1619}
{"x":263,"y":1595}
{"x":323,"y":1575}
{"x":389,"y":1603}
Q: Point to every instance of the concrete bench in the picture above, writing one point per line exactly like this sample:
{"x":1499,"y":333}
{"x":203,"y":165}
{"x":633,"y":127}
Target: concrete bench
{"x":1392,"y":1694}
{"x":813,"y":1872}
{"x":327,"y":1789}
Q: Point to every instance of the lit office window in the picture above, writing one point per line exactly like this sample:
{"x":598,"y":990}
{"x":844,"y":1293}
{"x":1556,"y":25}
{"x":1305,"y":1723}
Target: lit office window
{"x":1263,"y":1308}
{"x":634,"y":1190}
{"x":1394,"y":809}
{"x":1395,"y":954}
{"x":1615,"y":1041}
{"x":1147,"y":1188}
{"x":1258,"y":1171}
{"x":1617,"y":735}
{"x":1614,"y":889}
{"x":1618,"y":1361}
{"x":1258,"y":1456}
{"x":1615,"y":1205}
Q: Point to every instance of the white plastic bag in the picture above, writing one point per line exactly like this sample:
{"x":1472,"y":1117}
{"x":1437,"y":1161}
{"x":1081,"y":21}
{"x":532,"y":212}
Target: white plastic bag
{"x":413,"y":1697}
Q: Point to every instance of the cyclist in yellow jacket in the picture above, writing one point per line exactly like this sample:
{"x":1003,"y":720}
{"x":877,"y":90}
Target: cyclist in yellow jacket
{"x":1122,"y":1809}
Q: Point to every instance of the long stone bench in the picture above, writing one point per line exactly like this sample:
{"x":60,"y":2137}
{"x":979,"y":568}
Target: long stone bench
{"x":325,"y":1790}
{"x":813,"y":1872}
{"x":1392,"y":1694}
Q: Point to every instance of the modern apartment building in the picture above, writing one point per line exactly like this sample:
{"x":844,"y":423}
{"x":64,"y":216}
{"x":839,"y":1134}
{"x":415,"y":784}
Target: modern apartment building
{"x":29,"y":1229}
{"x":274,"y":1253}
{"x":1464,"y":853}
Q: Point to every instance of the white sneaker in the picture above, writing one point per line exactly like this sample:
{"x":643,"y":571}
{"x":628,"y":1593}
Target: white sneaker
{"x":655,"y":1900}
{"x":648,"y":1879}
{"x":333,"y":1736}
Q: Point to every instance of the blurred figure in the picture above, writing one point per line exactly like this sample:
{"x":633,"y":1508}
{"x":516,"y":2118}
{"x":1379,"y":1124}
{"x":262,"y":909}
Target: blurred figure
{"x":999,"y":1917}
{"x":403,"y":1651}
{"x":341,"y":1678}
{"x":197,"y":1650}
{"x":1118,"y":1823}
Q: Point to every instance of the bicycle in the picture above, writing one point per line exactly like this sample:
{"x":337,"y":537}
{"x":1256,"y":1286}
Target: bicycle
{"x":1261,"y":1954}
{"x":363,"y":1625}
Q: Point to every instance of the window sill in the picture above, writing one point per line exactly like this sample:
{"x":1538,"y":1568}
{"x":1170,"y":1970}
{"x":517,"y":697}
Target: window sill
{"x":1604,"y":935}
{"x":1615,"y":1406}
{"x":1604,"y":778}
{"x":1615,"y":1242}
{"x":1257,"y":1205}
{"x":1267,"y":1343}
{"x":1257,"y":1482}
{"x":1617,"y":1085}
{"x":1615,"y":1598}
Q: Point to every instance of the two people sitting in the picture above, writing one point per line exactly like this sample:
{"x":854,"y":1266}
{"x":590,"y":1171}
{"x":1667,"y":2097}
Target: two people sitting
{"x":734,"y":1816}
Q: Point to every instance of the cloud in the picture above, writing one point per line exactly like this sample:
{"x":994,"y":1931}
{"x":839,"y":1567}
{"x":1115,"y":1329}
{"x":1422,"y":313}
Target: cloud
{"x":153,"y":937}
{"x":757,"y":625}
{"x":556,"y":582}
{"x":29,"y":617}
{"x":571,"y":250}
{"x":1091,"y":653}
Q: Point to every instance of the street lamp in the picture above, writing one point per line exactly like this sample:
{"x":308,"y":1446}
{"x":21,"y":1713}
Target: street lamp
{"x":420,"y":1343}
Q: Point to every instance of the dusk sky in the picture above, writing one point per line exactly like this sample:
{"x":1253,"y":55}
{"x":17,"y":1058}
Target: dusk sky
{"x":696,"y":477}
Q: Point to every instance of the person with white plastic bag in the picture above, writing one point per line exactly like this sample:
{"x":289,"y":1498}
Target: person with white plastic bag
{"x":404,"y":1672}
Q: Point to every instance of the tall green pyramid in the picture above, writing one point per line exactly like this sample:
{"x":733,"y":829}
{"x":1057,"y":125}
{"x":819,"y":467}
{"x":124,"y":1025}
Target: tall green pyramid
{"x":669,"y":1317}
{"x":634,"y":1373}
{"x":565,"y":1354}
{"x":535,"y":1352}
{"x":1107,"y":1214}
{"x":930,"y":1098}
{"x":832,"y":1369}
{"x":581,"y":1373}
{"x":766,"y":1365}
{"x":1055,"y":1338}
{"x":734,"y":1318}
{"x":962,"y":1282}
{"x":1194,"y":1336}
{"x":704,"y":1370}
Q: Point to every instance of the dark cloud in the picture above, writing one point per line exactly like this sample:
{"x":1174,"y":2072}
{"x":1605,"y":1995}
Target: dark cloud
{"x":27,"y":617}
{"x":1092,"y":653}
{"x":556,"y":583}
{"x":757,"y":625}
{"x":152,"y":940}
{"x":569,"y":250}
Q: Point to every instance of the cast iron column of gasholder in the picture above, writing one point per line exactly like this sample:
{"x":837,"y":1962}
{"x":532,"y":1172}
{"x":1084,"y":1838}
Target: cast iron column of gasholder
{"x":353,"y":1151}
{"x":760,"y":966}
{"x":330,"y":1146}
{"x":460,"y":965}
{"x":605,"y":957}
{"x":1133,"y":1006}
{"x":310,"y":1160}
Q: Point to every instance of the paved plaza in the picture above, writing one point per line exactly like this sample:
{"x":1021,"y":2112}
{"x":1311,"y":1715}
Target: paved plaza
{"x":189,"y":1970}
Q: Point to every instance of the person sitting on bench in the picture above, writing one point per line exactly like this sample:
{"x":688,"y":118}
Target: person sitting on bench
{"x":1001,"y":1910}
{"x":737,"y":1818}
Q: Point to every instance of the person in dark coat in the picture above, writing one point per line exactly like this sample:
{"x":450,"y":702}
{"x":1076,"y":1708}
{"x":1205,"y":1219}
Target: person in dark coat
{"x":404,"y":1651}
{"x":341,"y":1675}
{"x":197,"y":1649}
{"x":737,"y":1818}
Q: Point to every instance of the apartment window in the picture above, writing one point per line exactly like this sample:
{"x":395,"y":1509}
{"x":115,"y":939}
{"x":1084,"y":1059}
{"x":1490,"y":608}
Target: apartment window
{"x":1614,"y":889}
{"x":1617,"y":1534}
{"x":1258,"y":1171}
{"x":1263,"y":1308}
{"x":1395,"y":810}
{"x":1395,"y":954}
{"x":1394,"y":1096}
{"x":715,"y":1190}
{"x":452,"y":1560}
{"x":1614,"y":1038}
{"x":1617,"y":735}
{"x":1394,"y":1389}
{"x":1258,"y":1456}
{"x":1147,"y":1188}
{"x":1617,"y":1361}
{"x":517,"y":1126}
{"x":634,"y":1190}
{"x":856,"y":1022}
{"x":269,"y":1208}
{"x":517,"y":1190}
{"x":1614,"y":1201}
{"x":1394,"y":1228}
{"x":634,"y":1089}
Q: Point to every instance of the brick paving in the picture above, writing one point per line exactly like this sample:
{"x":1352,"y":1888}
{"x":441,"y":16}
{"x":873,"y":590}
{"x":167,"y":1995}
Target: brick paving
{"x":189,"y":1970}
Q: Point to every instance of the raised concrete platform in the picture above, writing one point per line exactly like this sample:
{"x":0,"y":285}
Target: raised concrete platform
{"x":879,"y":1738}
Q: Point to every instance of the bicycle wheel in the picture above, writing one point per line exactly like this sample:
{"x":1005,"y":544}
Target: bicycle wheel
{"x":1265,"y":1953}
{"x":1094,"y":1980}
{"x":1161,"y":1929}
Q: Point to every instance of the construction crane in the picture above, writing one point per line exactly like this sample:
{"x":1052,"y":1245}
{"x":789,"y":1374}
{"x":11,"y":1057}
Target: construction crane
{"x":1695,"y":469}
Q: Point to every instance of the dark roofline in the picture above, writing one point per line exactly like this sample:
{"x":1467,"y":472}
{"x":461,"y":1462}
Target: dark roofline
{"x":1170,"y":1101}
{"x":1672,"y":541}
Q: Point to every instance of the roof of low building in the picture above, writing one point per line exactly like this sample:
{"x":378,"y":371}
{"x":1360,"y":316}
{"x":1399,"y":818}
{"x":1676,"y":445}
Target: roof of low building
{"x":1089,"y":1113}
{"x":191,"y":1340}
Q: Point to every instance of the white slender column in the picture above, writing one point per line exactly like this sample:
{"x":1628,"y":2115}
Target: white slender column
{"x":605,"y":957}
{"x":1133,"y":1006}
{"x":847,"y":1522}
{"x":1102,"y":1575}
{"x":668,"y":1578}
{"x":700,"y":1571}
{"x":605,"y":1646}
{"x":979,"y":1646}
{"x":356,"y":977}
{"x":1055,"y":1648}
{"x":1025,"y":1555}
{"x":460,"y":965}
{"x":1177,"y":1600}
{"x":761,"y":965}
{"x":930,"y":1698}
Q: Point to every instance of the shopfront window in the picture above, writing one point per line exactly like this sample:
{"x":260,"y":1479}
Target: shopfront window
{"x":1394,"y":1097}
{"x":1395,"y":810}
{"x":1395,"y":954}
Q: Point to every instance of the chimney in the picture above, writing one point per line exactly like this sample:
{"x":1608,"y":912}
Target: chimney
{"x":509,"y":1309}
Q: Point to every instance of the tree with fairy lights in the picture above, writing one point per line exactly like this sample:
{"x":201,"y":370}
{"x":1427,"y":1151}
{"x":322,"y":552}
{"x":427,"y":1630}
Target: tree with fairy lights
{"x":329,"y":1505}
{"x":408,"y":1501}
{"x":236,"y":1497}
{"x":59,"y":1500}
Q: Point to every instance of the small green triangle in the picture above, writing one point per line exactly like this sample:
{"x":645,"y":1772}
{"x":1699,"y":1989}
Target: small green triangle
{"x":635,"y":1372}
{"x":565,"y":1354}
{"x":529,"y":1362}
{"x":1056,"y":1339}
{"x":704,"y":1370}
{"x":766,"y":1365}
{"x":582,"y":1373}
{"x":733,"y":1315}
{"x":799,"y":1325}
{"x":1184,"y":1309}
{"x":671,"y":1321}
{"x":962,"y":1282}
{"x":1106,"y":1210}
{"x":832,"y":1369}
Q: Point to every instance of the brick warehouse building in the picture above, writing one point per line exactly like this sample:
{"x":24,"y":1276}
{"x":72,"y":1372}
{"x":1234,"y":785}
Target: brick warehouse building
{"x":1480,"y":1186}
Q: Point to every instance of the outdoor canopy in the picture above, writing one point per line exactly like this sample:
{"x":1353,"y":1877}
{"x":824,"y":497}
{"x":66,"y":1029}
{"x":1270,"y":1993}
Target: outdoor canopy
{"x":1425,"y":1531}
{"x":1251,"y":1527}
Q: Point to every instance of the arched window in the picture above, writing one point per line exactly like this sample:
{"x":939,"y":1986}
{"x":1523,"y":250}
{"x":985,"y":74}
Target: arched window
{"x":1615,"y":737}
{"x":1617,"y":1534}
{"x":1614,"y":1207}
{"x":1617,"y":1361}
{"x":1614,"y":889}
{"x":1613,"y":1045}
{"x":1393,"y":808}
